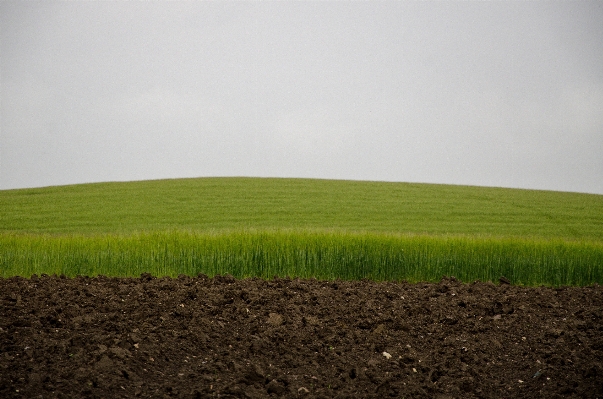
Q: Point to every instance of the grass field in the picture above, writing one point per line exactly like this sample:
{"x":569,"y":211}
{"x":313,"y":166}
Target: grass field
{"x":301,"y":227}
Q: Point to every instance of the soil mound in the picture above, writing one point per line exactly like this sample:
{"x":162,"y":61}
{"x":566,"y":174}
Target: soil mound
{"x":287,"y":338}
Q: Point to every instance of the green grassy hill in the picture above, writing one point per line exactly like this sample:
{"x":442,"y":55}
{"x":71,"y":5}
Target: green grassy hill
{"x":227,"y":204}
{"x":303,"y":228}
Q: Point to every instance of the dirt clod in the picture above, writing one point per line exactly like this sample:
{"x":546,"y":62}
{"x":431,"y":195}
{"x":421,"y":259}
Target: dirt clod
{"x":221,"y":337}
{"x":275,"y":319}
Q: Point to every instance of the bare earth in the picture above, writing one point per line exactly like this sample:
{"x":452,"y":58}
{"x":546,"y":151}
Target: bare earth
{"x":199,"y":337}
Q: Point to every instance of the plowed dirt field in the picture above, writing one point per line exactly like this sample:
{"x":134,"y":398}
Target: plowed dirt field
{"x":221,"y":337}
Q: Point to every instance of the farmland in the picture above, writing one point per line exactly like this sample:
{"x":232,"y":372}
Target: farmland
{"x":303,"y":228}
{"x":256,"y":288}
{"x":226,"y":204}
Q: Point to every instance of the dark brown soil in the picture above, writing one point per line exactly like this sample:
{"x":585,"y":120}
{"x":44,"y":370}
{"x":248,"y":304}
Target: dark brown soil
{"x":221,"y":337}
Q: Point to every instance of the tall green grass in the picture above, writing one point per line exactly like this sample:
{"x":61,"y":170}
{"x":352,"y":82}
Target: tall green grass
{"x":303,"y":228}
{"x":305,"y":254}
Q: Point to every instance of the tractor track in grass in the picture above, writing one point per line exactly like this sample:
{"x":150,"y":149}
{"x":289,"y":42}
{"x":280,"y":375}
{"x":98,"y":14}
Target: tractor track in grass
{"x":223,"y":337}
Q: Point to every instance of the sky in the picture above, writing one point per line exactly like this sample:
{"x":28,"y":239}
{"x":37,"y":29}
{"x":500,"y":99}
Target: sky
{"x":506,"y":94}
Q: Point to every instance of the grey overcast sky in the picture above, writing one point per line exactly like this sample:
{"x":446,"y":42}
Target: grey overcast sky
{"x":480,"y":93}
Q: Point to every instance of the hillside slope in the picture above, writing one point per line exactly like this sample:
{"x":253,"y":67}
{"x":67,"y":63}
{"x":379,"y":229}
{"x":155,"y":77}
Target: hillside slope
{"x":223,"y":204}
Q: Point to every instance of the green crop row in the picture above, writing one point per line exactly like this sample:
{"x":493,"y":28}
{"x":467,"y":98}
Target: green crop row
{"x":304,"y":254}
